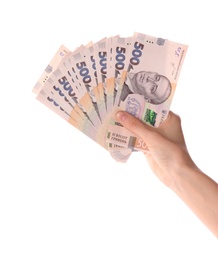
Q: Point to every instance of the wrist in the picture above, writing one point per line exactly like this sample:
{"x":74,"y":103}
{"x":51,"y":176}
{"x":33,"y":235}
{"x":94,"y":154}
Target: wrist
{"x":182,"y":176}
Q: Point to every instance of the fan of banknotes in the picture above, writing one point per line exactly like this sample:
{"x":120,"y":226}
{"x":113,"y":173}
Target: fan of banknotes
{"x":88,"y":85}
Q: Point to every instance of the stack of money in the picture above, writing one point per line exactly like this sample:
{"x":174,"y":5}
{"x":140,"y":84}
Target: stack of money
{"x":88,"y":85}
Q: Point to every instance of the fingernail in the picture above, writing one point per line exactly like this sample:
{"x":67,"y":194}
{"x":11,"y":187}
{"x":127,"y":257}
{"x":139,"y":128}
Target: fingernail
{"x":121,"y":116}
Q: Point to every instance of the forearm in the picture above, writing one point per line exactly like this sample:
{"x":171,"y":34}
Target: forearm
{"x":200,"y":193}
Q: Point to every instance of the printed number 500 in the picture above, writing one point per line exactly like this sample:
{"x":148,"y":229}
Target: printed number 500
{"x":141,"y":144}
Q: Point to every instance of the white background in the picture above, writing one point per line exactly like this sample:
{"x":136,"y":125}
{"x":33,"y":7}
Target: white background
{"x":61,"y":195}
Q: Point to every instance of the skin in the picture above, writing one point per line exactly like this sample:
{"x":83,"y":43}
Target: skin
{"x":171,"y":162}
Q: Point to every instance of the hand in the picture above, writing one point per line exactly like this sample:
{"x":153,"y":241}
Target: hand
{"x":166,"y":144}
{"x":170,"y":161}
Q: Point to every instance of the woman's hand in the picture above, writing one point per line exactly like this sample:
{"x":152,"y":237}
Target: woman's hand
{"x":170,"y":161}
{"x":166,"y":144}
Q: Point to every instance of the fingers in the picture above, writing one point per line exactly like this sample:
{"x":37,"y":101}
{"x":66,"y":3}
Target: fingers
{"x":170,"y":130}
{"x":133,"y":124}
{"x":172,"y":119}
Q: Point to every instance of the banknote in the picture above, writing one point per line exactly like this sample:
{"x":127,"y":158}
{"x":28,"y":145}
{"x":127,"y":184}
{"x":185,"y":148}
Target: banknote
{"x":101,"y":63}
{"x":92,"y":92}
{"x":87,"y":86}
{"x":109,"y":80}
{"x":118,"y":61}
{"x":118,"y":58}
{"x":149,"y":82}
{"x":119,"y":135}
{"x":119,"y":153}
{"x":45,"y":81}
{"x":47,"y":97}
{"x":54,"y":91}
{"x":70,"y":73}
{"x":109,"y":56}
{"x":97,"y":92}
{"x":53,"y":64}
{"x":71,"y":114}
{"x":56,"y":108}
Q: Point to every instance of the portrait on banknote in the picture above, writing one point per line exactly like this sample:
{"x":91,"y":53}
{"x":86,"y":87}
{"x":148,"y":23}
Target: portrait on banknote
{"x":155,"y":88}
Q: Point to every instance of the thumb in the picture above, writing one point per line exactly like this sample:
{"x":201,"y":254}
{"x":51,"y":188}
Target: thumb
{"x":136,"y":126}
